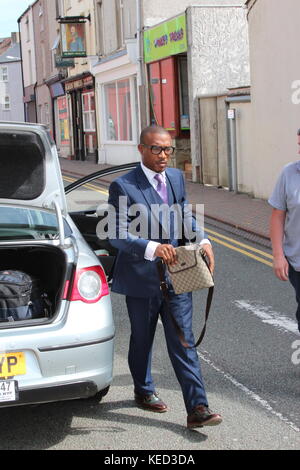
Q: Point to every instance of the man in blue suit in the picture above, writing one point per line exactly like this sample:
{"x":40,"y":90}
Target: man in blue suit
{"x":141,"y":246}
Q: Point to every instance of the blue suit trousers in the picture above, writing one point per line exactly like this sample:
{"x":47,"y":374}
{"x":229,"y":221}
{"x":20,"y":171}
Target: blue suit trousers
{"x":144,"y":314}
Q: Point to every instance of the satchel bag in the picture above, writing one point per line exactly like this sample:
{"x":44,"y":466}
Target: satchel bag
{"x":189,"y":274}
{"x":191,"y":271}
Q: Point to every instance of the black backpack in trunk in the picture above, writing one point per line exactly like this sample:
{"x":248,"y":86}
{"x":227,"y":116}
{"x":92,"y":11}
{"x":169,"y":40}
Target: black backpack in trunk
{"x":21,"y":298}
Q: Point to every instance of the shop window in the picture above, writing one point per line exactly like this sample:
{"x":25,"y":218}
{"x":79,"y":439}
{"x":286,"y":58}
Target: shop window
{"x":88,"y":110}
{"x":118,"y":102}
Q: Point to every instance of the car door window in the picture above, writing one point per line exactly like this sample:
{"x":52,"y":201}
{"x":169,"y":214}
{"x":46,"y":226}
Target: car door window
{"x":85,"y":194}
{"x":83,"y":200}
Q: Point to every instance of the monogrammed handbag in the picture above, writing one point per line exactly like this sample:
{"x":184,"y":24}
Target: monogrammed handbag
{"x":189,"y":274}
{"x":191,"y":271}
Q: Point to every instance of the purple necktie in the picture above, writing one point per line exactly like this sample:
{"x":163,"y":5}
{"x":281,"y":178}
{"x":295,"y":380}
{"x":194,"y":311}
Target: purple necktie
{"x":161,"y":187}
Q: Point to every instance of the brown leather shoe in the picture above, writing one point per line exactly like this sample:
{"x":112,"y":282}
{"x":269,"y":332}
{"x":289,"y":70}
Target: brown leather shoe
{"x":203,"y":416}
{"x":150,"y":403}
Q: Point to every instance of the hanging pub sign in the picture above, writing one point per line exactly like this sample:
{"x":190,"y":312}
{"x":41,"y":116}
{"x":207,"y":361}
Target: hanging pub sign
{"x":166,"y":39}
{"x":73,"y":40}
{"x":61,"y":62}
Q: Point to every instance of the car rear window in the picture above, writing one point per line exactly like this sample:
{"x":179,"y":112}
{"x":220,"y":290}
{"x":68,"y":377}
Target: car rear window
{"x":22,"y":174}
{"x":18,"y":223}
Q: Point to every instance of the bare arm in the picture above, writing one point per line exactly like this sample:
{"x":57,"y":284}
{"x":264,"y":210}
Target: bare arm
{"x":280,"y":264}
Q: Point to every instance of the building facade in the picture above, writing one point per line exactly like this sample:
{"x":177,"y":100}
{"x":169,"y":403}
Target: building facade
{"x":29,"y":69}
{"x":117,"y":78}
{"x":43,"y":62}
{"x":79,"y":84}
{"x":11,"y":95}
{"x":101,"y":70}
{"x":58,"y":71}
{"x":273,"y":117}
{"x":135,"y":87}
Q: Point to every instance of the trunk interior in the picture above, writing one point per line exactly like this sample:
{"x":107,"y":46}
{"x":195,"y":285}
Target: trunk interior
{"x":46,"y":264}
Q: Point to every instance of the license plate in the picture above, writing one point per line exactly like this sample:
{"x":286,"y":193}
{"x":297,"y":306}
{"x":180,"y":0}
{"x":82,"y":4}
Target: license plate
{"x":12,"y":364}
{"x":8,"y":390}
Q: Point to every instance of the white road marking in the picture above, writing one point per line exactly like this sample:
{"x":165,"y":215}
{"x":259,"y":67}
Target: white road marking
{"x":269,"y":316}
{"x":275,"y":319}
{"x":254,"y":396}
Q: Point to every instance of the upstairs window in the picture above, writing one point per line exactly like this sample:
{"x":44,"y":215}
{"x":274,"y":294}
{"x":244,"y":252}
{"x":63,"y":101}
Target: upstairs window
{"x":7,"y":103}
{"x":4,"y":74}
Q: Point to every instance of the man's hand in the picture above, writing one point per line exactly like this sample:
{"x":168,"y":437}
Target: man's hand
{"x":281,"y":267}
{"x":167,"y":253}
{"x":207,"y":248}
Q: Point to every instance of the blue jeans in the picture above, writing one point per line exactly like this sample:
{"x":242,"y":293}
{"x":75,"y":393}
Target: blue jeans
{"x":294,"y":277}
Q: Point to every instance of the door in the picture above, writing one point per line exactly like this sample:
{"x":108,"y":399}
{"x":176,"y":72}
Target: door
{"x":78,"y":133}
{"x":87,"y":203}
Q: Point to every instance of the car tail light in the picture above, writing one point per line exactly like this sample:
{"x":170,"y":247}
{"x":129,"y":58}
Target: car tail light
{"x":89,"y":285}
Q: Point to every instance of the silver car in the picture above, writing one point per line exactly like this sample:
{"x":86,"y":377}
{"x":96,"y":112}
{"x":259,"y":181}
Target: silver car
{"x":67,"y":353}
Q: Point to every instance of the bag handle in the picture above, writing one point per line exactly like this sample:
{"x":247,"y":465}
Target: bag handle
{"x":165,"y":292}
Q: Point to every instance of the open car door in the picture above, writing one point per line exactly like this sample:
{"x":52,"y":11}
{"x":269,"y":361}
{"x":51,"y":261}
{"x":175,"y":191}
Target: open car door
{"x":83,"y":198}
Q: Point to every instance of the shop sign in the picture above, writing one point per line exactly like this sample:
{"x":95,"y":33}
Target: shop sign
{"x":62,"y":62}
{"x":80,"y":83}
{"x":166,"y":39}
{"x":73,"y":39}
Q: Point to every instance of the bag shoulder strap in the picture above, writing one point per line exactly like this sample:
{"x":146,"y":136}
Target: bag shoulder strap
{"x":165,"y":292}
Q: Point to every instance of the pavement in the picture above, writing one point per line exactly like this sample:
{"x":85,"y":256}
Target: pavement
{"x":235,"y":210}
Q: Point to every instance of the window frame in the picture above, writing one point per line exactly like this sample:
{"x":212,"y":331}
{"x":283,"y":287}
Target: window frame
{"x":4,"y":74}
{"x":90,"y":112}
{"x":7,"y":103}
{"x":134,"y":118}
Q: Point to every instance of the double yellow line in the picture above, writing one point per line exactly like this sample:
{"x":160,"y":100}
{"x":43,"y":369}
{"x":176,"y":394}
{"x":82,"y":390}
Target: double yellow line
{"x":87,"y":185}
{"x":244,"y":249}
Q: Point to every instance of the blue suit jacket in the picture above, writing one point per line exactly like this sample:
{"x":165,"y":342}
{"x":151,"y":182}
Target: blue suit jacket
{"x":133,"y":274}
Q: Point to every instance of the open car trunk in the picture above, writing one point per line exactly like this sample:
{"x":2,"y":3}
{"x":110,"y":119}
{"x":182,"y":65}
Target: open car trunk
{"x":46,"y":264}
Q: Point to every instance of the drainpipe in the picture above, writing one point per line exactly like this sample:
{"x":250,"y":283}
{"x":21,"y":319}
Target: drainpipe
{"x":22,"y":69}
{"x":141,"y":79}
{"x":232,"y":164}
{"x":232,"y":145}
{"x":35,"y":102}
{"x":139,"y":32}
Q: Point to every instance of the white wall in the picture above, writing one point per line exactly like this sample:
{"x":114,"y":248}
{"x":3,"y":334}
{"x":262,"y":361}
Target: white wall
{"x":274,"y":36}
{"x":15,"y":91}
{"x":156,"y":11}
{"x":29,"y":69}
{"x":218,"y":59}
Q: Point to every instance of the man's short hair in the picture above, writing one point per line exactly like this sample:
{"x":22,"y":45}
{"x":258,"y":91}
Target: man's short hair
{"x":298,"y":132}
{"x":153,"y":129}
